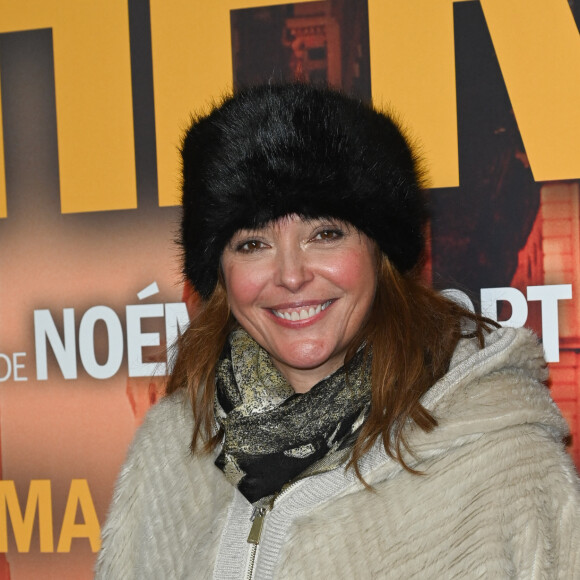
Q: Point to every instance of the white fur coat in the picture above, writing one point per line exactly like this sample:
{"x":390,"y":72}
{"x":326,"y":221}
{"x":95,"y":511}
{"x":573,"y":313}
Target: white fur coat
{"x":497,"y":497}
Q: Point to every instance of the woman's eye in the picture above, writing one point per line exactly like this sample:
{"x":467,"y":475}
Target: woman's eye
{"x":326,"y":235}
{"x":250,"y":246}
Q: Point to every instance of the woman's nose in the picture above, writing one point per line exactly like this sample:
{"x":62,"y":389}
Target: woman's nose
{"x":292,"y":269}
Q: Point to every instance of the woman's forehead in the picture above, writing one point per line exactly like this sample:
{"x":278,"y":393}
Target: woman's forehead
{"x":294,"y":219}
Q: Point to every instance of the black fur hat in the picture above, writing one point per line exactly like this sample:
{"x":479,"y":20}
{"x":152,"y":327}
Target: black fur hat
{"x":276,"y":150}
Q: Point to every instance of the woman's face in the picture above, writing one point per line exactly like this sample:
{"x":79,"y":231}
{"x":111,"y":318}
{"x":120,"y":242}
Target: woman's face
{"x":302,"y":290}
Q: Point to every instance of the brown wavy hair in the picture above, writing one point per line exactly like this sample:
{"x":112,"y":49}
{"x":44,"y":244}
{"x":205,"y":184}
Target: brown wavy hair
{"x":411,"y":330}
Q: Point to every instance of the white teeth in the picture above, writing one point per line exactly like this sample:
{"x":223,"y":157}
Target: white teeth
{"x":303,"y":314}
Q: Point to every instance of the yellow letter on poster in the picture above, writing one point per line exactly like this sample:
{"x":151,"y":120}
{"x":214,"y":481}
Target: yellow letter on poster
{"x":94,"y":109}
{"x":3,"y":209}
{"x":538,"y":48}
{"x":79,"y":495}
{"x":413,"y":71}
{"x":39,"y":499}
{"x":192,"y":64}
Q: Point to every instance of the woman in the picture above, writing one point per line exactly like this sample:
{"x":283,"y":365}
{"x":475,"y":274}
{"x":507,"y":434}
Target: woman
{"x":328,"y":415}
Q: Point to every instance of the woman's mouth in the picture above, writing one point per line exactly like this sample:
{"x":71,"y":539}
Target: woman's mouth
{"x":301,"y":313}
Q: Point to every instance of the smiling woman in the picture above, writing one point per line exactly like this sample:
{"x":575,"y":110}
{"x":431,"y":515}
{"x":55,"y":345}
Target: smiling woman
{"x":321,"y":367}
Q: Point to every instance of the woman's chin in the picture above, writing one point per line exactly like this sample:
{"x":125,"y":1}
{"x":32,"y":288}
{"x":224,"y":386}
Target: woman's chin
{"x":318,"y":365}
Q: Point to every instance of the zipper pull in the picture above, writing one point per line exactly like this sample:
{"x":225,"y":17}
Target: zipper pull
{"x":258,"y":516}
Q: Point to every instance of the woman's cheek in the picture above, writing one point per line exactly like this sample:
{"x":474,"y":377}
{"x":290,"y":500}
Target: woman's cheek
{"x":244,"y":282}
{"x":352,"y":269}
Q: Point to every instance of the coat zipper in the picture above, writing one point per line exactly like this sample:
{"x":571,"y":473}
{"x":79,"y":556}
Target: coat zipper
{"x":257,"y":518}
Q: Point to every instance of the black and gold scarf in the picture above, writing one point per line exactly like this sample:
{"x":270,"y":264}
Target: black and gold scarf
{"x":273,"y":435}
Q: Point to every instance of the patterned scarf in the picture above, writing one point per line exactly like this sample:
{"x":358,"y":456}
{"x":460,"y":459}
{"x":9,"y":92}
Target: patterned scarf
{"x":273,"y":435}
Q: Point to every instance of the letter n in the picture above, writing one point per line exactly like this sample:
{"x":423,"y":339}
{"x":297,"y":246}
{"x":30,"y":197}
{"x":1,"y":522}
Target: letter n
{"x":92,"y":68}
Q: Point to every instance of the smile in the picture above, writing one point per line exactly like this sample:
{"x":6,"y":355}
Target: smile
{"x":301,"y":313}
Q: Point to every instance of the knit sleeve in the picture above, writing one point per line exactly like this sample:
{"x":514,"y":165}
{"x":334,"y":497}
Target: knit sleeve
{"x":543,"y":516}
{"x":156,"y":498}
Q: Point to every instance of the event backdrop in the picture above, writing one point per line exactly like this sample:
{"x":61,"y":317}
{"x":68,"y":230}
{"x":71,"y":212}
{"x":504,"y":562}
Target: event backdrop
{"x":94,"y":98}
